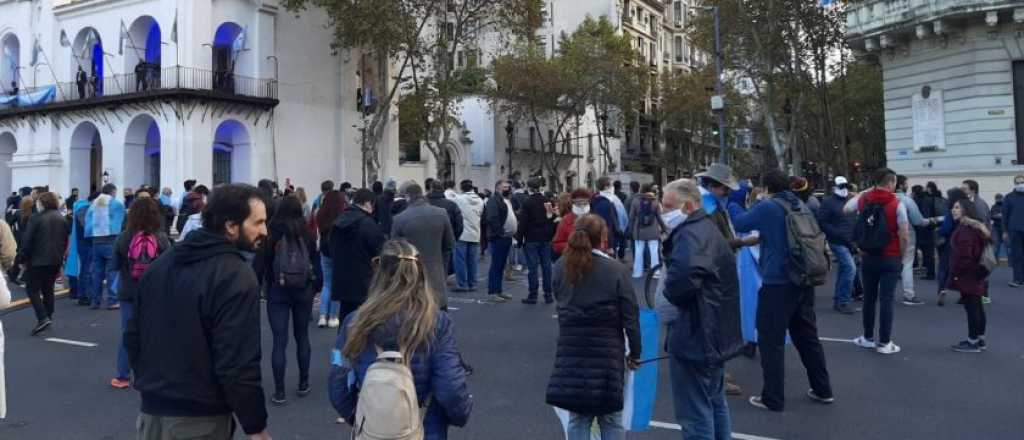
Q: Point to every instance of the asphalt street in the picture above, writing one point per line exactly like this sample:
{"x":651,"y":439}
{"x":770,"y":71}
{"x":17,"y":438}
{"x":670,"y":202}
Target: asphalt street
{"x":61,"y":391}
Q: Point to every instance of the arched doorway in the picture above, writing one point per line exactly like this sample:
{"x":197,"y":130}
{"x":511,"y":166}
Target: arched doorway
{"x":87,"y":57}
{"x":142,"y":53}
{"x":10,"y":60}
{"x":228,"y":43}
{"x":8,"y":146}
{"x":86,"y":158}
{"x":232,"y":153}
{"x":142,"y":153}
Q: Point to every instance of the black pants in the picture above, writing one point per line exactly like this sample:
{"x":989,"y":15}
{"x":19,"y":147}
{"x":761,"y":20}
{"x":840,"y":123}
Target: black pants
{"x":976,"y":319}
{"x":928,"y":258}
{"x":881,"y":278}
{"x":281,"y":304}
{"x":39,"y":288}
{"x":781,"y":308}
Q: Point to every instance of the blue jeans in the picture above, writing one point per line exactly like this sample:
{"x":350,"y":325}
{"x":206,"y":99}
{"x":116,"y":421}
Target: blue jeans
{"x":84,"y":269}
{"x":325,"y":295}
{"x":123,"y":369}
{"x":466,"y":263}
{"x":699,"y":396}
{"x":538,"y":254}
{"x":997,"y":241}
{"x":103,"y":268}
{"x":1016,"y":251}
{"x":881,"y":276}
{"x":611,"y":426}
{"x":638,"y":256}
{"x":844,"y":279}
{"x":499,"y":255}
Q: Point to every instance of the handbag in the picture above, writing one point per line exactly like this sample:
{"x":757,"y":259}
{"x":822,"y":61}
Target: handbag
{"x":988,"y":258}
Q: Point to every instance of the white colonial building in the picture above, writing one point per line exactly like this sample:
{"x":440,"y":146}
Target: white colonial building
{"x":215,"y":90}
{"x":954,"y":86}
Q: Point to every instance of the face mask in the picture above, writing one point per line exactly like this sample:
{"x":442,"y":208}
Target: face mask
{"x":673,"y":218}
{"x":842,"y":192}
{"x":580,"y":210}
{"x":506,"y":193}
{"x":39,"y":206}
{"x":1019,"y":187}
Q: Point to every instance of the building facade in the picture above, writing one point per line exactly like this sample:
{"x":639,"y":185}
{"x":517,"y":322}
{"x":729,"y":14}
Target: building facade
{"x":953,"y":75}
{"x":155,"y":92}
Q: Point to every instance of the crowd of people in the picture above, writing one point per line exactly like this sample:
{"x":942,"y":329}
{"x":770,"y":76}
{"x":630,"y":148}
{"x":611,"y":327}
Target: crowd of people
{"x":735,"y":266}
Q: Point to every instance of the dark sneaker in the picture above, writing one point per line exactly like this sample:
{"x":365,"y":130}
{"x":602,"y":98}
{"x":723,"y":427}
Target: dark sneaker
{"x":750,"y":350}
{"x":530,"y":300}
{"x":915,"y":301}
{"x":846,"y":309}
{"x":83,"y":301}
{"x":43,"y":325}
{"x":304,"y":389}
{"x":823,"y":400}
{"x":279,"y":398}
{"x":966,"y":347}
{"x":858,"y":298}
{"x":548,"y":299}
{"x":982,"y":345}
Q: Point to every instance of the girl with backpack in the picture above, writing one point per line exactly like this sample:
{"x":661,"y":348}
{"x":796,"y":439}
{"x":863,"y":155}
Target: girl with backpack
{"x":293,"y":262}
{"x":647,"y":227}
{"x":597,"y":312}
{"x":401,"y":322}
{"x":142,"y":241}
{"x":967,"y":274}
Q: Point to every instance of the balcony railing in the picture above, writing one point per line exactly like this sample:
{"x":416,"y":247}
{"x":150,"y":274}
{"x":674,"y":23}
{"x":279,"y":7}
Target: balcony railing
{"x":875,"y":15}
{"x":150,"y":82}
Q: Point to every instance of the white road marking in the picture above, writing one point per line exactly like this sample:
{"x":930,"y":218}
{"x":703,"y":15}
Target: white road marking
{"x":848,"y":341}
{"x":70,"y":342}
{"x":735,"y":435}
{"x":453,"y":308}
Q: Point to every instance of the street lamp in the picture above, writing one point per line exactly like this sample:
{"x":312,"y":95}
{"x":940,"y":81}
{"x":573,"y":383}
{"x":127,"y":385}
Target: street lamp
{"x":510,"y":130}
{"x":717,"y":101}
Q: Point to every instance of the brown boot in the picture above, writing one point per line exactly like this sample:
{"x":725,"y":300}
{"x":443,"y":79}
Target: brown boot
{"x":731,"y":389}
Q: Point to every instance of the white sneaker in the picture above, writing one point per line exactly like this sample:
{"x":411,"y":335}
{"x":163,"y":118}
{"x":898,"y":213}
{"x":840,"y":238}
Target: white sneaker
{"x":889,"y":348}
{"x":322,"y":322}
{"x":333,"y":323}
{"x":863,"y":342}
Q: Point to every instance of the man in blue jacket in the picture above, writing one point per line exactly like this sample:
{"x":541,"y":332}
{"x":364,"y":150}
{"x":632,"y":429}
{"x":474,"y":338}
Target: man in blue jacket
{"x":838,"y":229}
{"x":702,"y":283}
{"x":1013,"y":225}
{"x":607,"y":205}
{"x":783,"y":306}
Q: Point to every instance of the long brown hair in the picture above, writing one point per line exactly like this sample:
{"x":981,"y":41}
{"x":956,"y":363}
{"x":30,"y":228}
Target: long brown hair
{"x":399,"y":288}
{"x":26,"y":208}
{"x":590,"y":233}
{"x":332,"y":203}
{"x":144,"y":216}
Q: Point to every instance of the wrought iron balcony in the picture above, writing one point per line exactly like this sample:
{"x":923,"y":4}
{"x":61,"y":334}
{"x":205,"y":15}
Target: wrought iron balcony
{"x":177,"y":82}
{"x":873,"y":17}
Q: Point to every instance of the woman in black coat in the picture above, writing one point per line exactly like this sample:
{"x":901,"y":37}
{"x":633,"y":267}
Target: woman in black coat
{"x":596,"y":303}
{"x":43,"y":242}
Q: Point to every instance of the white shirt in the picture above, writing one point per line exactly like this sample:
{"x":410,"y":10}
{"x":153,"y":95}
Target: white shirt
{"x":511,"y":222}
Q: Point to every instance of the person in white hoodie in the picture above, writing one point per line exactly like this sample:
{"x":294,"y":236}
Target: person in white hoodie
{"x":467,"y":247}
{"x":5,"y":300}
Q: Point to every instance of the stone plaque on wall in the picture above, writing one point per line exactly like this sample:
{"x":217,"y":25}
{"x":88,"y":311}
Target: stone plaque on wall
{"x":929,"y":120}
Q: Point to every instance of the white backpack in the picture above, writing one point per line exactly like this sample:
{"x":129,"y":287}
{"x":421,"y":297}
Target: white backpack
{"x":388,"y":408}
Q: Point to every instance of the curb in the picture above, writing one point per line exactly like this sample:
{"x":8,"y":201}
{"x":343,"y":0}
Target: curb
{"x":14,"y":306}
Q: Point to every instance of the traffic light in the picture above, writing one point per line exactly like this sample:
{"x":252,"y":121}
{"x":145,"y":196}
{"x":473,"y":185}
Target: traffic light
{"x":715,"y":130}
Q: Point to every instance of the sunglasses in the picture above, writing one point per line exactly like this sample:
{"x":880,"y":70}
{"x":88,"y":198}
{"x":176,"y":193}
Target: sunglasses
{"x":843,"y":186}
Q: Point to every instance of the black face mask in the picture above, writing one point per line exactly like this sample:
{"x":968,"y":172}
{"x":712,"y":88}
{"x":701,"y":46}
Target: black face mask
{"x":506,"y":193}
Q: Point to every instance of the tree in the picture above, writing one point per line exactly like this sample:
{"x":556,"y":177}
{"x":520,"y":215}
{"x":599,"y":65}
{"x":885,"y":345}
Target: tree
{"x":420,"y":37}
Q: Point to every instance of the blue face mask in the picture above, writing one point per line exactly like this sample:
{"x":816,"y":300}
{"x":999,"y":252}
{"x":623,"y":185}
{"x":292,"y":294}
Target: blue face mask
{"x":709,"y":202}
{"x":673,"y":218}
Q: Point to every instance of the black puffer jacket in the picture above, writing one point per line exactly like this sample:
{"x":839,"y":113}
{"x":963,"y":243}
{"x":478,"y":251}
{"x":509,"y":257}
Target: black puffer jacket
{"x":355,"y":240}
{"x":837,"y":226}
{"x":590,"y":362}
{"x":44,"y":239}
{"x":703,"y":284}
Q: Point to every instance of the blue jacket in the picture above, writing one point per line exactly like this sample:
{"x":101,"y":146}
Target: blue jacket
{"x":838,"y":227}
{"x":115,"y":219}
{"x":770,"y":219}
{"x":613,"y":218}
{"x":1013,"y":212}
{"x":439,"y":372}
{"x":73,"y":266}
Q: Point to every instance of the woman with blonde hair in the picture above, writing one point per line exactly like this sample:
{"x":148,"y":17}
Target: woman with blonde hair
{"x":597,"y":312}
{"x":401,"y":315}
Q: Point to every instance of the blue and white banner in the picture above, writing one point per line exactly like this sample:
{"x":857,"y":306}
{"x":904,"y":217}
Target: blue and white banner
{"x":42,"y":96}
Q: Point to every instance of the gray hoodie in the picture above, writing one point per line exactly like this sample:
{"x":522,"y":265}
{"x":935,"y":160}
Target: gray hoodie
{"x":472,"y":207}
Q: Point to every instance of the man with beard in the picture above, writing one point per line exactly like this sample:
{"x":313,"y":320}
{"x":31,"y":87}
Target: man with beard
{"x":194,"y":343}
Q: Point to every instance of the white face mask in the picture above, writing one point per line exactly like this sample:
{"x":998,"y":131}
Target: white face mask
{"x":673,"y":218}
{"x":842,"y":192}
{"x":39,"y":206}
{"x":1019,"y":187}
{"x":580,"y":210}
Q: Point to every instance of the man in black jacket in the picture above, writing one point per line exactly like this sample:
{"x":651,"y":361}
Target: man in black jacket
{"x":702,"y":282}
{"x":838,"y":229}
{"x":501,"y":224}
{"x":194,"y":343}
{"x":355,"y":240}
{"x":536,"y":229}
{"x":437,"y":198}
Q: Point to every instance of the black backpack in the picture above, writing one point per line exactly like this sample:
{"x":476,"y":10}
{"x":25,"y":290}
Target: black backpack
{"x":646,"y":212}
{"x":292,"y":266}
{"x":871,"y":233}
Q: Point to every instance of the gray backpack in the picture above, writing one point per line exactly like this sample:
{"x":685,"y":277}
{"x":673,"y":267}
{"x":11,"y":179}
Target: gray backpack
{"x":807,"y":264}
